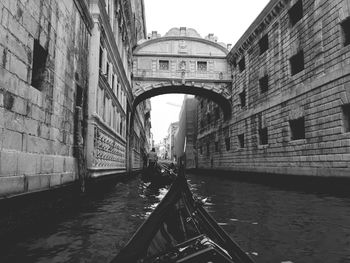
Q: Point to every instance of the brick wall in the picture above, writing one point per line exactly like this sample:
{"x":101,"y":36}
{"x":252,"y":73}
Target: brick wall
{"x":318,"y":94}
{"x":37,"y":123}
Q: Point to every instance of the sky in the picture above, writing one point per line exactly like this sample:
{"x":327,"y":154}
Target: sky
{"x":227,"y":19}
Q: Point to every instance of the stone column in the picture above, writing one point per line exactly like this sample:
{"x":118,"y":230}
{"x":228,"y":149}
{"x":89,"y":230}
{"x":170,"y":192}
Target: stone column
{"x":93,"y":86}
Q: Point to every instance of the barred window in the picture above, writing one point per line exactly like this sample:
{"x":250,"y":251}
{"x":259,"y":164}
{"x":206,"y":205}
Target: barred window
{"x":241,"y":64}
{"x":164,"y":64}
{"x":295,"y":13}
{"x":263,"y":136}
{"x":201,"y":65}
{"x":241,"y":140}
{"x":297,"y":128}
{"x":346,"y":117}
{"x":346,"y":31}
{"x":227,"y":143}
{"x":242,"y":98}
{"x":297,"y":63}
{"x":39,"y":65}
{"x":264,"y":84}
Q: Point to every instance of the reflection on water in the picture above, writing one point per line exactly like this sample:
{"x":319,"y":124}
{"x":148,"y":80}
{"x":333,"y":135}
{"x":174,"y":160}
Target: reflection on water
{"x":276,"y":225}
{"x":273,"y":224}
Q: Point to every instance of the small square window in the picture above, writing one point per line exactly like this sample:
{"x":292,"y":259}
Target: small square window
{"x":263,"y":136}
{"x":345,"y":25}
{"x":107,"y":70}
{"x":346,"y":117}
{"x":297,"y":128}
{"x":227,"y":143}
{"x":79,"y":97}
{"x":242,"y":98}
{"x":201,"y":65}
{"x":163,"y":64}
{"x":241,"y":140}
{"x":216,"y":146}
{"x":264,"y":84}
{"x":295,"y":13}
{"x":39,"y":65}
{"x":297,"y":63}
{"x":100,"y":59}
{"x":241,"y":65}
{"x":264,"y":44}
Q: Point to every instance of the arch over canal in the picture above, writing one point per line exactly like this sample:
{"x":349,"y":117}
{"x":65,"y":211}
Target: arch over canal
{"x":182,"y":62}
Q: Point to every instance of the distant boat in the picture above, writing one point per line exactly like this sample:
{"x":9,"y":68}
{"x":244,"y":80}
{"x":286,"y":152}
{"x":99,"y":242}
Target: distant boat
{"x":160,"y":175}
{"x":180,"y":230}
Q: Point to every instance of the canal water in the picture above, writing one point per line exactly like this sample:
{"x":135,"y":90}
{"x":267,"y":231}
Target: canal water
{"x":273,"y":223}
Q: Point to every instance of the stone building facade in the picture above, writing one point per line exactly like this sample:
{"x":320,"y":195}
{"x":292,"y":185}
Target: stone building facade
{"x":171,"y":142}
{"x":43,"y":79}
{"x":65,"y":92}
{"x":114,"y":34}
{"x":186,"y":136}
{"x":290,"y":94}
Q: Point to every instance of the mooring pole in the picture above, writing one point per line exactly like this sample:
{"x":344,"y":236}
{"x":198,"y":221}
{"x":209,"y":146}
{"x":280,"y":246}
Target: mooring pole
{"x":79,"y":148}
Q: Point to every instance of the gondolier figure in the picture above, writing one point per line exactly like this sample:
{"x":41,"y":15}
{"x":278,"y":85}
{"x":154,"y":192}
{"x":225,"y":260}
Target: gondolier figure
{"x":152,"y":158}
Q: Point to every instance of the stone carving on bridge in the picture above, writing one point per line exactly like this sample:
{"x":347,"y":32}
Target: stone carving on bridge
{"x":182,"y":47}
{"x":224,"y":89}
{"x":182,"y":65}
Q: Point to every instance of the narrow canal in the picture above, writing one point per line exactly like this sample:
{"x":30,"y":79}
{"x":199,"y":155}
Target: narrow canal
{"x":274,"y":223}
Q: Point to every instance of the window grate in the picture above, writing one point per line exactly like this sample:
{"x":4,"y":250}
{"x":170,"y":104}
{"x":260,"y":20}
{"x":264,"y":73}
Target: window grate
{"x":297,"y":128}
{"x":264,"y":44}
{"x":295,"y":13}
{"x":297,"y":63}
{"x":39,"y":66}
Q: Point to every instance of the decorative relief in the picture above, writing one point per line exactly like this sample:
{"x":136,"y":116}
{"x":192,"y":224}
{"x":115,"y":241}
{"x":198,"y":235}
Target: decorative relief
{"x":107,"y":152}
{"x":163,"y":64}
{"x":182,"y":46}
{"x":182,"y":65}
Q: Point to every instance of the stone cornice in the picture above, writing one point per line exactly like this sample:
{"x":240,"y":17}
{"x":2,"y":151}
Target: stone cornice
{"x":180,"y":80}
{"x":195,"y":39}
{"x":269,"y":13}
{"x":85,"y":14}
{"x":178,"y":56}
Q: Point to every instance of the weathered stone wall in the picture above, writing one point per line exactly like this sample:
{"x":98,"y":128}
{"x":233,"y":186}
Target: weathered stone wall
{"x":36,"y":123}
{"x":187,"y":132}
{"x":112,"y":145}
{"x":319,"y":93}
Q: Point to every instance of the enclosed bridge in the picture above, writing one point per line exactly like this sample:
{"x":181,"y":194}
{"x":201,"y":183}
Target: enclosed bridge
{"x":182,"y":62}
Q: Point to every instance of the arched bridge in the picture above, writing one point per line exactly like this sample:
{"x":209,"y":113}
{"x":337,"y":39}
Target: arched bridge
{"x":182,"y":62}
